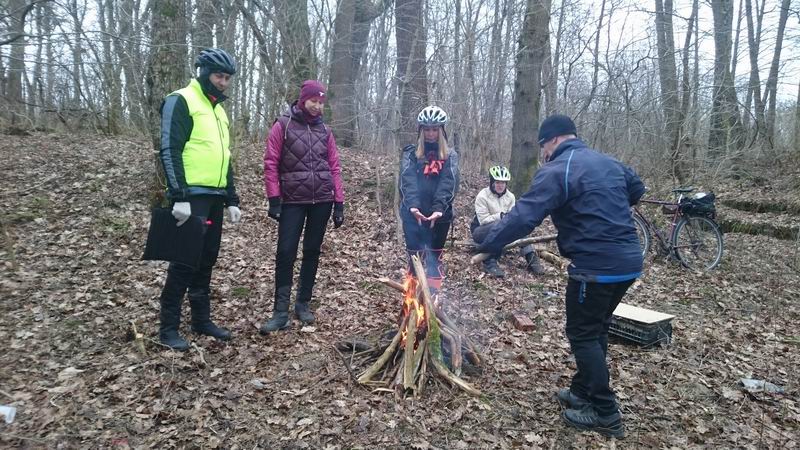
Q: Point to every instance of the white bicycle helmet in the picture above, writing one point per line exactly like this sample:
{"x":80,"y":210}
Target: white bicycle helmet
{"x":499,"y":173}
{"x":432,"y":116}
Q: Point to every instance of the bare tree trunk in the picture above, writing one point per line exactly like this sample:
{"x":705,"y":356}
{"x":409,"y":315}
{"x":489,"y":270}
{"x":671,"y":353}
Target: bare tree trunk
{"x":291,"y":19}
{"x":735,"y":57}
{"x":772,"y":81}
{"x":754,"y":85}
{"x":527,"y":93}
{"x":124,"y":47}
{"x":411,"y":67}
{"x":685,"y":144}
{"x":227,"y":25}
{"x":203,"y":29}
{"x":725,"y":132}
{"x":111,"y":82}
{"x":265,"y":53}
{"x":494,"y":89}
{"x":165,"y":72}
{"x":595,"y":60}
{"x":16,"y":64}
{"x":552,"y":65}
{"x":36,"y":89}
{"x":352,"y":24}
{"x":385,"y":114}
{"x":747,"y":115}
{"x":50,"y":73}
{"x":797,"y":122}
{"x":669,"y":86}
{"x":77,"y":55}
{"x":475,"y":135}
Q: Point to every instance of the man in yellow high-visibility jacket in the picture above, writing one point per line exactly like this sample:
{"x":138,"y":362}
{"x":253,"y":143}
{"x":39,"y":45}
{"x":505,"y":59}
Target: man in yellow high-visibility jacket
{"x":195,"y":155}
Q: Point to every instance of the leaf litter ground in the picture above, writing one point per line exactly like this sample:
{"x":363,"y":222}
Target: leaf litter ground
{"x":75,"y":214}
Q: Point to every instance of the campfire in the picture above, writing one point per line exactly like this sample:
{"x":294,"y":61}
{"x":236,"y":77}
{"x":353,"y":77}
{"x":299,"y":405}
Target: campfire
{"x":426,"y":343}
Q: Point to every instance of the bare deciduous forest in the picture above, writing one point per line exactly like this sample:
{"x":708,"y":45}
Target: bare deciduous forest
{"x":687,"y":92}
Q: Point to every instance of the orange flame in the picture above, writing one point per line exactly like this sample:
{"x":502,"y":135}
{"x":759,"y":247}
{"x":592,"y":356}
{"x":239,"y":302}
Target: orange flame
{"x":412,"y":301}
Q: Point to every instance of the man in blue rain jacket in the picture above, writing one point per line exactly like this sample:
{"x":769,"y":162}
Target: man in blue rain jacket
{"x":588,"y":195}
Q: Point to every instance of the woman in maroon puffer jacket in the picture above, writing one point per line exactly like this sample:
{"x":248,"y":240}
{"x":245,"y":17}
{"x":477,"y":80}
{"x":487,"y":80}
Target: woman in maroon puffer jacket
{"x":303,"y":182}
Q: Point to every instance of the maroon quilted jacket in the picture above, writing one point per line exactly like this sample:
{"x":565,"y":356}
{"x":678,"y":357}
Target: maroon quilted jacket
{"x":301,"y":161}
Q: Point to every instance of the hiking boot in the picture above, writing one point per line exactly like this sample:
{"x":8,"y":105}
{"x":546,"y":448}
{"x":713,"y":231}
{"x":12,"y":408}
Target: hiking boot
{"x":280,"y":314}
{"x":201,"y":316}
{"x":570,"y":400}
{"x":303,"y":312}
{"x":208,"y":328}
{"x":173,"y":340}
{"x":170,"y":320}
{"x":587,"y":419}
{"x":491,"y":267}
{"x":279,"y":321}
{"x":534,"y":264}
{"x":302,"y":304}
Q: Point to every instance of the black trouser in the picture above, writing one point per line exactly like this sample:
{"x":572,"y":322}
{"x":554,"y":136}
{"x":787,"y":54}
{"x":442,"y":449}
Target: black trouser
{"x":428,"y":243}
{"x":181,"y":277}
{"x":294,"y":218}
{"x":589,"y":310}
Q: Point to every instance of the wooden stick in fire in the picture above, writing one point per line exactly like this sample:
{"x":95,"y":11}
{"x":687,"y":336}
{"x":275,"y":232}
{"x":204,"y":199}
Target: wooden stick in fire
{"x":378,"y":365}
{"x":480,"y":257}
{"x":434,"y":337}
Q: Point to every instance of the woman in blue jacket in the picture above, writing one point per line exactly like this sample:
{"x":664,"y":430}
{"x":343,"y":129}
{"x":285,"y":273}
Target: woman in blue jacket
{"x":428,"y":185}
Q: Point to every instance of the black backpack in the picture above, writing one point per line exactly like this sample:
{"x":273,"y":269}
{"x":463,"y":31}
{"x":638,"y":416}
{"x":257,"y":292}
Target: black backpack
{"x":702,"y":206}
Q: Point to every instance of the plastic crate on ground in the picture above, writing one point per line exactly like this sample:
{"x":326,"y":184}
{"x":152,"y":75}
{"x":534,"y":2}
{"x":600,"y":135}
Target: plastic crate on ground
{"x":641,"y":326}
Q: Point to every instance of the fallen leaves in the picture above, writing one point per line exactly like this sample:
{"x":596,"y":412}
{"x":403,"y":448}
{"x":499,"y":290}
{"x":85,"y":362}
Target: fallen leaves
{"x":77,"y":380}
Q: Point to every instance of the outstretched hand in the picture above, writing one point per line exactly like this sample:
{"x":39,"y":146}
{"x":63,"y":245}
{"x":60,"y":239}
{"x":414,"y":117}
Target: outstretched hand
{"x":434,"y":217}
{"x":418,"y":215}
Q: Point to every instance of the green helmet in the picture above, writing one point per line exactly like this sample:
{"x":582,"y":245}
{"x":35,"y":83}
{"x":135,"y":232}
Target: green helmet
{"x":499,"y":173}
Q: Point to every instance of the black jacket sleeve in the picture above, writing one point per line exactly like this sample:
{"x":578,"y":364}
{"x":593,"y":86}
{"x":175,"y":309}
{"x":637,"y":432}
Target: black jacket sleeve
{"x":408,"y":178}
{"x":233,"y":198}
{"x":448,"y":184}
{"x":176,"y":127}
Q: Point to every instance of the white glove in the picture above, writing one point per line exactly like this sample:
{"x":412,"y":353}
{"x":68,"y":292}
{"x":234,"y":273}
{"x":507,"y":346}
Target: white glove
{"x":234,"y":214}
{"x":181,"y":211}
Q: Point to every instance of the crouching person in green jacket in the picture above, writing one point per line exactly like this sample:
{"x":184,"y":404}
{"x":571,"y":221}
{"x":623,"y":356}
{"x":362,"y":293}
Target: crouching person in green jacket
{"x":196,"y":159}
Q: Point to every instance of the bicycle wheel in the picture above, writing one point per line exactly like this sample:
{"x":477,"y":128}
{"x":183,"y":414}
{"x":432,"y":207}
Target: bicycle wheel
{"x":641,"y":231}
{"x":697,"y":242}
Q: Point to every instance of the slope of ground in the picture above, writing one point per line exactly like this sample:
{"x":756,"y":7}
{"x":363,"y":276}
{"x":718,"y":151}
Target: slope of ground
{"x":72,"y":282}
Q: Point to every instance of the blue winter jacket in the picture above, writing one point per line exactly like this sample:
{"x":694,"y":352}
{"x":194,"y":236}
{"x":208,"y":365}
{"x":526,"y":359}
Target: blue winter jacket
{"x":588,"y":195}
{"x":428,"y":192}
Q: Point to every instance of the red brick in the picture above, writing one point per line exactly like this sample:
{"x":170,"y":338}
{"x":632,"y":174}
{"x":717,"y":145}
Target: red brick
{"x":522,"y":322}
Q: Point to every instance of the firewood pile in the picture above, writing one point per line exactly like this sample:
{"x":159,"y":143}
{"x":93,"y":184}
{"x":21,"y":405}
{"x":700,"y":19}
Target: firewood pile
{"x":425,"y":344}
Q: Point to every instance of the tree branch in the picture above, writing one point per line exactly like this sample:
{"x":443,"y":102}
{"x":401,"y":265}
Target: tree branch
{"x":25,"y":10}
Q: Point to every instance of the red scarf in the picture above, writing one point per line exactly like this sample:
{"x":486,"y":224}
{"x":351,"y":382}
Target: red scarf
{"x":433,"y":167}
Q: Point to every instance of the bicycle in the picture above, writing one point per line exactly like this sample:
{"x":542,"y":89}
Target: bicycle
{"x":694,"y":238}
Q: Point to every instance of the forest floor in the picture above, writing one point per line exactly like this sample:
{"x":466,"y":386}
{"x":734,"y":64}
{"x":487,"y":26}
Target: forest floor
{"x":75,"y":217}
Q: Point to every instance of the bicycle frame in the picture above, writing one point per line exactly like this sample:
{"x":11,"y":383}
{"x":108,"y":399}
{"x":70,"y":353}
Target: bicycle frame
{"x":664,"y":240}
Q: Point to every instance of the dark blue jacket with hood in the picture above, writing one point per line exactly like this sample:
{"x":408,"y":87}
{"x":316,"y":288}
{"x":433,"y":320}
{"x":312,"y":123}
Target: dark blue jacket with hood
{"x":588,"y":195}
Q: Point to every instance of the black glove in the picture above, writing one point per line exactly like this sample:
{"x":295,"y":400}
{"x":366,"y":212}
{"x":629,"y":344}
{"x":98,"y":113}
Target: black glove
{"x":338,"y":214}
{"x":275,"y":208}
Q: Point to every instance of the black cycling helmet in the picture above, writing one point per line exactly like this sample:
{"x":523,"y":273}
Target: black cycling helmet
{"x":216,"y":60}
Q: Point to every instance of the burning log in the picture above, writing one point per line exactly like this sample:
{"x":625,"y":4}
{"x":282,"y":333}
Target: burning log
{"x":422,"y":337}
